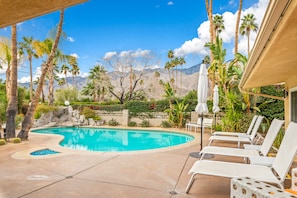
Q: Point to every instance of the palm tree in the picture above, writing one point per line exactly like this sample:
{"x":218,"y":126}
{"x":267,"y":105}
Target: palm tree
{"x":170,"y":64}
{"x":12,"y":105}
{"x":28,"y":119}
{"x":100,"y":81}
{"x":248,"y":24}
{"x":237,"y":27}
{"x":44,"y":48}
{"x":6,"y":58}
{"x":181,"y":63}
{"x":64,"y":70}
{"x":89,"y":90}
{"x":208,"y":4}
{"x":218,"y":23}
{"x":28,"y":47}
{"x":74,"y":67}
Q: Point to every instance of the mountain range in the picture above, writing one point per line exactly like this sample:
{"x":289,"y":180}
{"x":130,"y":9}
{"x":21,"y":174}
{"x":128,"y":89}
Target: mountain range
{"x":187,"y":80}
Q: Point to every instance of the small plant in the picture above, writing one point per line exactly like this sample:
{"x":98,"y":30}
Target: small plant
{"x":16,"y":140}
{"x":132,"y":124}
{"x":43,"y":109}
{"x":166,"y":124}
{"x":89,"y":113}
{"x":2,"y":142}
{"x":113,"y":122}
{"x":145,"y":123}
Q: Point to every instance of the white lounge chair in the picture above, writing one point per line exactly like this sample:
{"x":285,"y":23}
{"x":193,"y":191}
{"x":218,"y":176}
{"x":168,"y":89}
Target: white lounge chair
{"x":256,"y":156}
{"x":207,"y":123}
{"x":249,"y":139}
{"x":275,"y":174}
{"x":248,"y":132}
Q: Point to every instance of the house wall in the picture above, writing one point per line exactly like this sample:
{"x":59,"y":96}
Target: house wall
{"x":291,"y":84}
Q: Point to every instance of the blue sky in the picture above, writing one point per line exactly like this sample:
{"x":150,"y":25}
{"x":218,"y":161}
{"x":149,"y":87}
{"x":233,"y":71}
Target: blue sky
{"x":98,"y":27}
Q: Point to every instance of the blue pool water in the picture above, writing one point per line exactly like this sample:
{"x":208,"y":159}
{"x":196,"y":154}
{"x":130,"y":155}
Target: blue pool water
{"x":98,"y":139}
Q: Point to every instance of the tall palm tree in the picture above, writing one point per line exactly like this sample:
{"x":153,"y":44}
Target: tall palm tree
{"x":27,"y":47}
{"x":6,"y":58}
{"x":237,"y":27}
{"x":28,"y":119}
{"x":208,"y":4}
{"x":44,"y":49}
{"x":169,"y":64}
{"x":218,"y":23}
{"x":12,"y":105}
{"x":64,"y":70}
{"x":74,"y":67}
{"x":181,"y":63}
{"x":248,"y":24}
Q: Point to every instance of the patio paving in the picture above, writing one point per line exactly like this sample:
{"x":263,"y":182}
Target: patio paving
{"x":158,"y":173}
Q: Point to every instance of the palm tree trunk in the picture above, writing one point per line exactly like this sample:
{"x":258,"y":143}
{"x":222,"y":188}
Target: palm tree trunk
{"x":11,"y":110}
{"x":7,"y":86}
{"x":27,"y":122}
{"x":31,"y":78}
{"x":237,"y":27}
{"x":208,"y":4}
{"x":248,"y":38}
{"x":51,"y":85}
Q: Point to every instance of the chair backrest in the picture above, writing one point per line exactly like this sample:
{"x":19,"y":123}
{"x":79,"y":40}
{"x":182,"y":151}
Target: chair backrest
{"x":248,"y":132}
{"x":256,"y":128}
{"x":273,"y":130}
{"x":286,"y":152}
{"x":207,"y":122}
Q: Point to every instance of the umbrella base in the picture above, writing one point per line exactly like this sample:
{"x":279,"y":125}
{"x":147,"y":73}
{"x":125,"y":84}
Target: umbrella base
{"x":198,"y":155}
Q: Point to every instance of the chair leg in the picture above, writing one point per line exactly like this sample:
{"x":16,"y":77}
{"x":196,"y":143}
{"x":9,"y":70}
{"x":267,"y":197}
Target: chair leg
{"x":190,"y":183}
{"x":210,"y":141}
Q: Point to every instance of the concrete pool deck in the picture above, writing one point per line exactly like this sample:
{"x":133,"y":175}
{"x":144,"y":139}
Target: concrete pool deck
{"x":158,"y":173}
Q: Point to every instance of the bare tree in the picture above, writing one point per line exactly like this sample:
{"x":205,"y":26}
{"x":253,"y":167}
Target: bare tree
{"x":129,"y":68}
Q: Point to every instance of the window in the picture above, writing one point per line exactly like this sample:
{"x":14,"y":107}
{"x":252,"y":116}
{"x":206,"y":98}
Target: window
{"x":294,"y":106}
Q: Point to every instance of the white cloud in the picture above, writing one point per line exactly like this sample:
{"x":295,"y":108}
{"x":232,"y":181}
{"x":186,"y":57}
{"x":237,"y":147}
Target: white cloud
{"x":84,"y":75}
{"x":75,"y":55}
{"x":170,"y":3}
{"x":196,"y":45}
{"x":36,"y":75}
{"x":109,"y":55}
{"x":70,"y":39}
{"x":140,"y":53}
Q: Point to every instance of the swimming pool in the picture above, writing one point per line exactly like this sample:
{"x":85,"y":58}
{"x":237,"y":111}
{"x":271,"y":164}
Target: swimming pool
{"x":103,"y":139}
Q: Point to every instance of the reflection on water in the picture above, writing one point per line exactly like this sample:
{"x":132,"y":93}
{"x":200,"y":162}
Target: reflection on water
{"x":93,"y":139}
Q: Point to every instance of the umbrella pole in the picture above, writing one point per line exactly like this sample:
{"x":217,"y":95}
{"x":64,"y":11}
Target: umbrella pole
{"x":215,"y":121}
{"x":201,"y":130}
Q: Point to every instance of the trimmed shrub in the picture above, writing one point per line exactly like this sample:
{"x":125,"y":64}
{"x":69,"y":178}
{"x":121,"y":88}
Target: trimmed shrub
{"x":89,"y":113}
{"x":2,"y":142}
{"x":132,"y":124}
{"x":16,"y":140}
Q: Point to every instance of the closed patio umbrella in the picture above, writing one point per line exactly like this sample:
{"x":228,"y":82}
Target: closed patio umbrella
{"x":215,"y":108}
{"x":201,"y":107}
